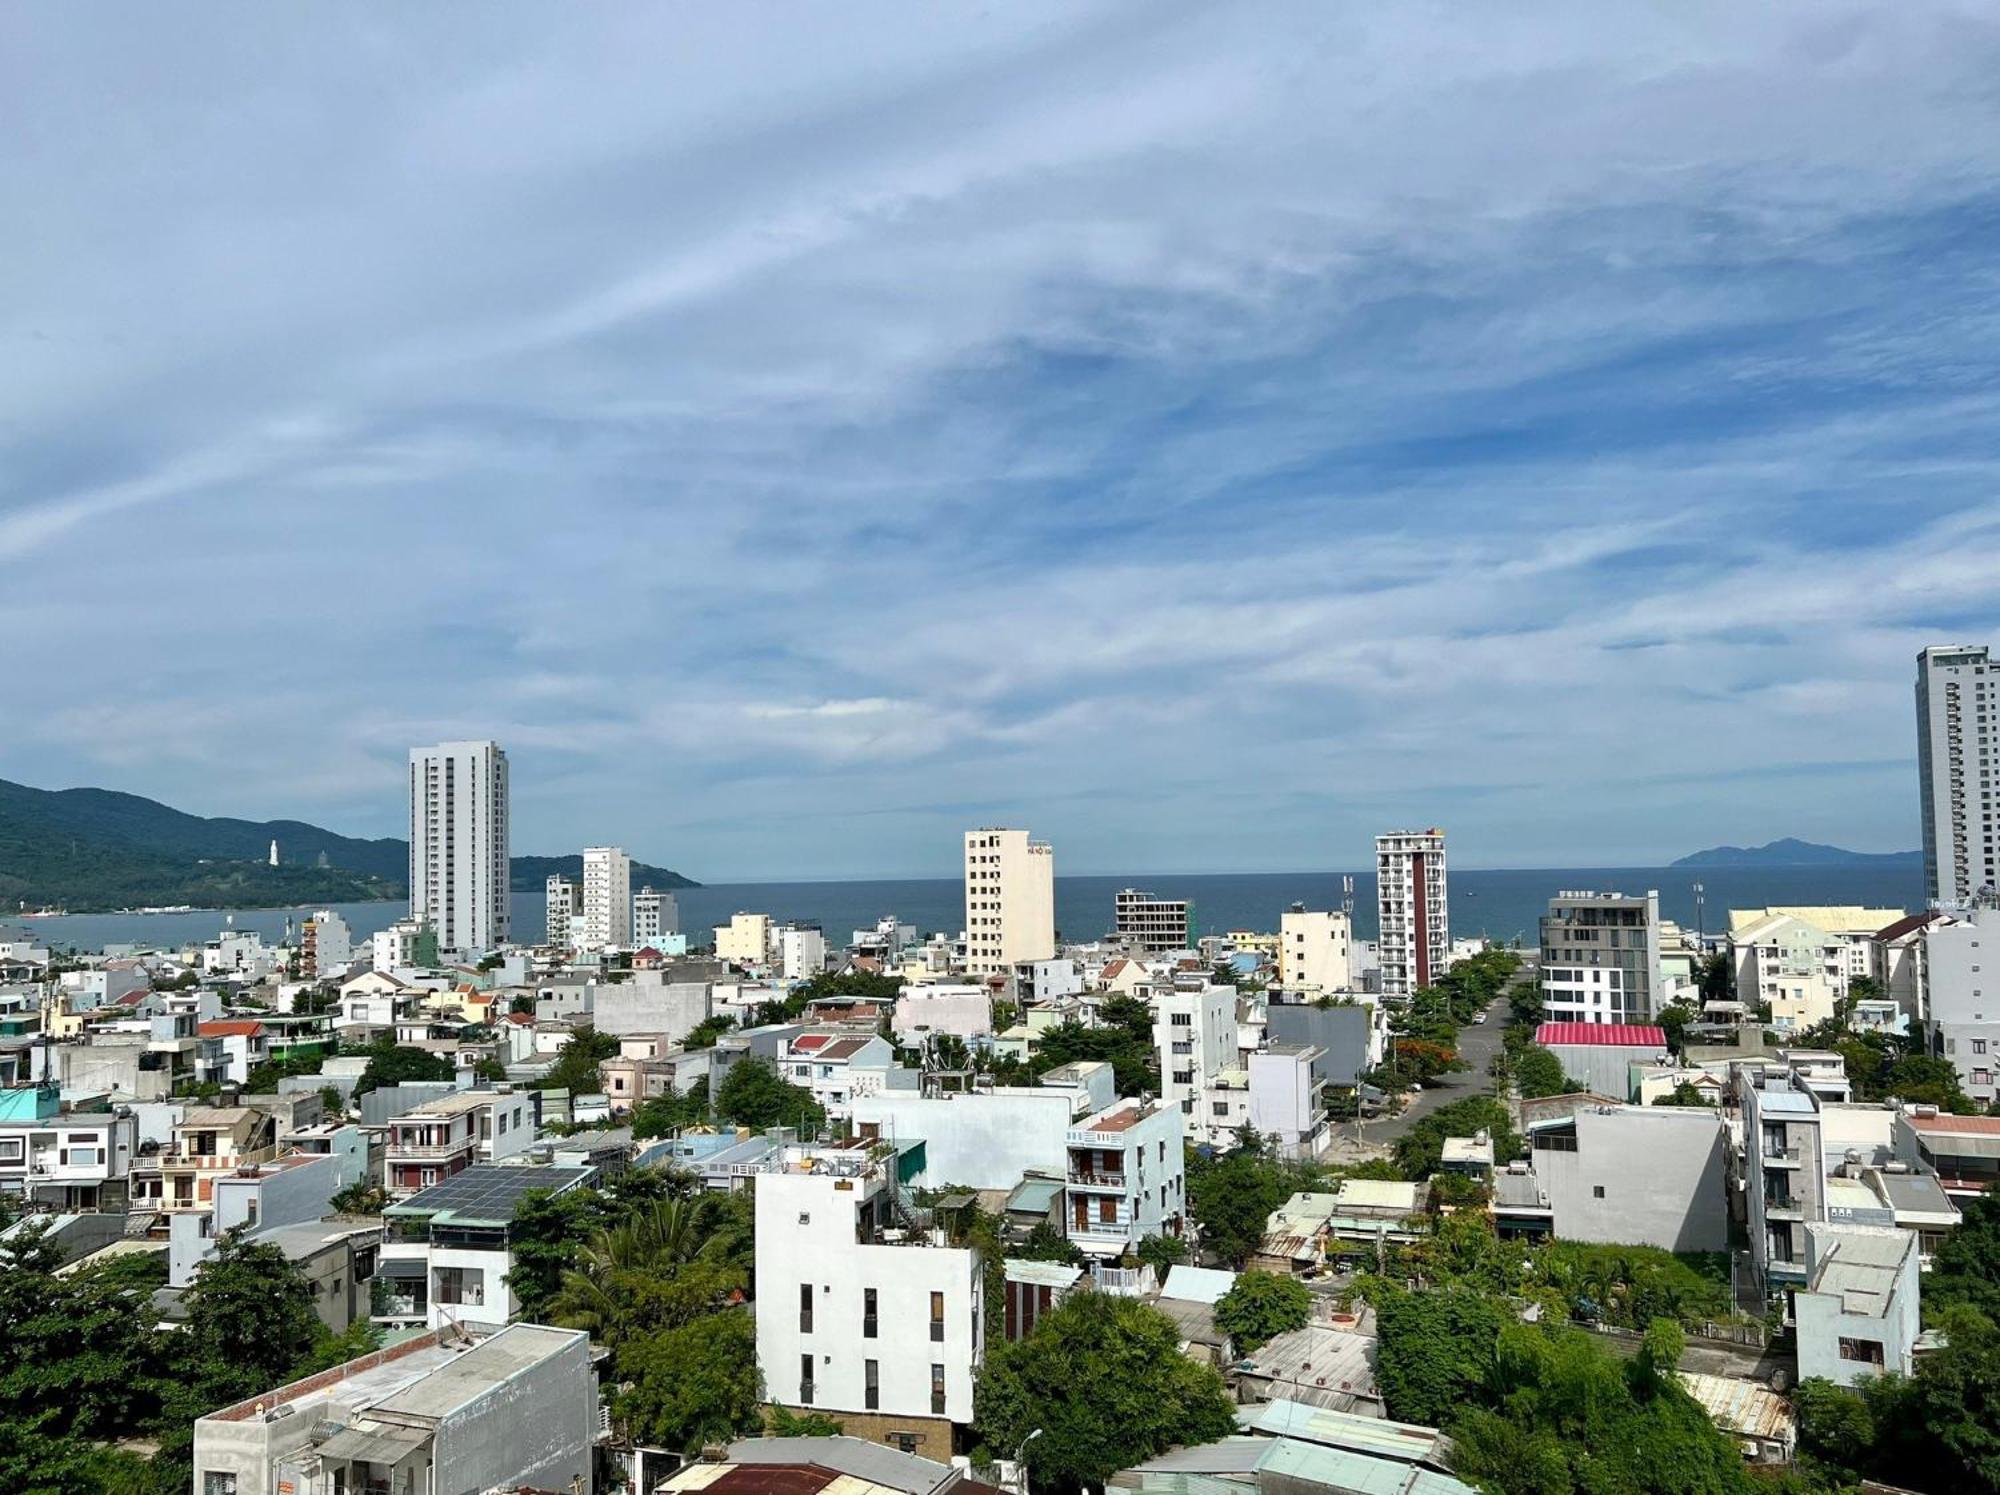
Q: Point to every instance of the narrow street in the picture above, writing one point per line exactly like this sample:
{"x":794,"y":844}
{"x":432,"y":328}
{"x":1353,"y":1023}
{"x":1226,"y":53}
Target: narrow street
{"x":1477,"y":1044}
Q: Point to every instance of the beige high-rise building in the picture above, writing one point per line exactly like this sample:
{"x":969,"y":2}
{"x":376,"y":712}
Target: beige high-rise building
{"x":1010,"y":900}
{"x":1414,"y":933}
{"x":745,"y":939}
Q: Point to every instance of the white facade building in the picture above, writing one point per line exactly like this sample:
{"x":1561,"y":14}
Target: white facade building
{"x":656,"y":917}
{"x":1962,"y":1023}
{"x":1127,"y":1177}
{"x":326,"y":945}
{"x":459,"y":843}
{"x":1194,"y":1029}
{"x":801,"y":953}
{"x":1958,"y":733}
{"x":1414,"y":919}
{"x":862,"y":1312}
{"x":1010,"y":900}
{"x":1601,"y":958}
{"x":1315,"y":950}
{"x":607,"y":899}
{"x":564,"y":906}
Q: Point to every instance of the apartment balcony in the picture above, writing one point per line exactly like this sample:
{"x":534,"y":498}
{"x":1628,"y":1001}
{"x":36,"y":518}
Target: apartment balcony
{"x":426,"y":1151}
{"x":1784,"y":1207}
{"x":214,"y":1162}
{"x":1096,"y":1178}
{"x":1780,"y":1157}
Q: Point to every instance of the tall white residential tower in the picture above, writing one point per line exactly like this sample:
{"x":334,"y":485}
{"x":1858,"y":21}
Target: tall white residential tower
{"x":1414,"y":934}
{"x":458,"y":843}
{"x":607,"y":898}
{"x":1958,"y":732}
{"x":655,"y":915}
{"x":1010,"y":900}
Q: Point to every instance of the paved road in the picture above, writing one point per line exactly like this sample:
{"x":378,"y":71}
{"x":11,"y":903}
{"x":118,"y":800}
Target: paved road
{"x":1476,"y":1045}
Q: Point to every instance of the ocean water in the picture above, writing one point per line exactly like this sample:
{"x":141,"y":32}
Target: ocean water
{"x":1500,"y":904}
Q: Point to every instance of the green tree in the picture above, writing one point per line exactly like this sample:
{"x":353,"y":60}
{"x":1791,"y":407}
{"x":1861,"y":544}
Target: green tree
{"x":781,"y":1422}
{"x":704,"y":1033}
{"x":1261,"y":1306}
{"x":666,"y":1115}
{"x":755,"y":1095}
{"x":1231,"y":1200}
{"x":250,"y":1318}
{"x":693,"y":1384}
{"x":576,"y":1066}
{"x":1683,"y":1094}
{"x":1434,"y":1352}
{"x":1143,"y":1396}
{"x":1537,"y":1072}
{"x":1929,"y":1081}
{"x":547,"y":1232}
{"x":1965,"y":1269}
{"x":1420,"y":1150}
{"x":1162,"y":1253}
{"x":655,"y":1269}
{"x":390,"y":1065}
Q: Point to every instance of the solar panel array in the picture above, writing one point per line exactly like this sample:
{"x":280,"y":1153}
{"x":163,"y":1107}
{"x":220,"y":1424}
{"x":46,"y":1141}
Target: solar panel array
{"x":488,"y":1191}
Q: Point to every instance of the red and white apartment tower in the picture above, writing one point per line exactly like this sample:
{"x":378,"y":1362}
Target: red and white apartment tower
{"x":1414,"y":925}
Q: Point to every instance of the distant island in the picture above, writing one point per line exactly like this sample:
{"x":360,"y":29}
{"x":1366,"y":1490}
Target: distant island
{"x":1794,"y":853}
{"x":98,"y":851}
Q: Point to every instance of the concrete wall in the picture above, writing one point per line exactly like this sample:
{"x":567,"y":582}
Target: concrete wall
{"x":1340,"y":1033}
{"x":675,"y":1009}
{"x":1661,"y":1173}
{"x":1604,"y":1068}
{"x":535,"y":1428}
{"x":978,"y":1141}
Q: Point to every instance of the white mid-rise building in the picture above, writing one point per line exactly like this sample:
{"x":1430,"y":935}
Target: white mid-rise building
{"x":1127,"y":1177}
{"x":1958,"y":739}
{"x":1194,"y":1030}
{"x":1315,"y":950}
{"x":1413,"y":916}
{"x":1601,"y":958}
{"x":801,"y":952}
{"x":607,"y":899}
{"x":864,"y":1312}
{"x":565,"y":905}
{"x":459,"y":843}
{"x":1962,"y":1023}
{"x":1010,"y":900}
{"x":656,"y":916}
{"x":326,"y":945}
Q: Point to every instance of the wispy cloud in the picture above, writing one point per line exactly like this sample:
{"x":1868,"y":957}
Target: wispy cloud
{"x":1202,"y":441}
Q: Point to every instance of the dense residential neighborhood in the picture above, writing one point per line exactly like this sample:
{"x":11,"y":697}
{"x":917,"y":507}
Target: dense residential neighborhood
{"x":999,"y":1206}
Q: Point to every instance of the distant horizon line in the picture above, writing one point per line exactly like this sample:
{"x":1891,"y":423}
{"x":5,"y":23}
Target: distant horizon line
{"x":1697,"y":872}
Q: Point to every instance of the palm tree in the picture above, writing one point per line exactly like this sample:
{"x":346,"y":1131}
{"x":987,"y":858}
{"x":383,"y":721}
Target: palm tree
{"x":654,"y":1245}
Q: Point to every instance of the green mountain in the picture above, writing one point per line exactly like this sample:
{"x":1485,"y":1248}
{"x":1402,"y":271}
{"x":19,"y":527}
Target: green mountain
{"x":1794,"y":853}
{"x":527,"y":874}
{"x":89,"y":850}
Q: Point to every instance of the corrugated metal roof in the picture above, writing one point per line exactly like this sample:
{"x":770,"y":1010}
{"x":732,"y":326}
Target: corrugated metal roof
{"x":1345,"y":1470}
{"x":1601,"y":1035}
{"x":1409,"y":1442}
{"x":1742,"y":1408}
{"x":1197,"y":1284}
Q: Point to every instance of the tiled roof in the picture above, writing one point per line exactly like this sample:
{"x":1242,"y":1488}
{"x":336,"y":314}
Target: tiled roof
{"x":1904,"y":926}
{"x":232,"y":1028}
{"x":1984,"y":1126}
{"x":1613,"y":1035}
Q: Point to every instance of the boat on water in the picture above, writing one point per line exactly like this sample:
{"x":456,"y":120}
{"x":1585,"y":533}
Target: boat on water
{"x":44,"y":913}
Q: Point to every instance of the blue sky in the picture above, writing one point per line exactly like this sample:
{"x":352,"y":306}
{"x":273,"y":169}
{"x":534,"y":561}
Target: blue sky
{"x":1204,"y":436}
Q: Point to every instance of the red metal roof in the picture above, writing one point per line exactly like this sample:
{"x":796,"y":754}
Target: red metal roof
{"x":1980,"y":1126}
{"x":1604,"y":1035}
{"x":232,"y":1028}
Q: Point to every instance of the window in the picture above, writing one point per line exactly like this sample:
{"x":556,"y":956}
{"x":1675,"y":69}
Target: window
{"x":1597,"y":1191}
{"x":937,"y":1318}
{"x":218,"y":1484}
{"x":1107,"y":1211}
{"x":805,"y":1308}
{"x":937,"y":1386}
{"x":871,"y":1394}
{"x":805,"y":1380}
{"x":907,"y":1442}
{"x":868,"y":1314}
{"x":1866,"y":1351}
